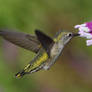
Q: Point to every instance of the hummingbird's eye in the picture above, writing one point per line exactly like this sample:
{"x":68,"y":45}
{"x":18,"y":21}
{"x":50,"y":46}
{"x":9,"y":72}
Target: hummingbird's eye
{"x":70,"y":34}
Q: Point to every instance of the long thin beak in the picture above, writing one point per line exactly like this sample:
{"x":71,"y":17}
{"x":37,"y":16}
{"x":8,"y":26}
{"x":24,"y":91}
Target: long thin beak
{"x":75,"y":34}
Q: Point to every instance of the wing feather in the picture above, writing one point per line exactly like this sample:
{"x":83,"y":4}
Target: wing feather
{"x":20,"y":39}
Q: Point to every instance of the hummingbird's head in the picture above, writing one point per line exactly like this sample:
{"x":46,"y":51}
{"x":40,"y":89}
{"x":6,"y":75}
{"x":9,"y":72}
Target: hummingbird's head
{"x":65,"y":37}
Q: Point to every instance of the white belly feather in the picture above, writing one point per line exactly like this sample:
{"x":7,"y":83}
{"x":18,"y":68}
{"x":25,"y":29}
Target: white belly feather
{"x":55,"y":52}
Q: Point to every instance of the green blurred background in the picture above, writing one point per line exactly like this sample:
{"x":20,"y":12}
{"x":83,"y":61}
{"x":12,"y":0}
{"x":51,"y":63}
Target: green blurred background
{"x":72,"y":71}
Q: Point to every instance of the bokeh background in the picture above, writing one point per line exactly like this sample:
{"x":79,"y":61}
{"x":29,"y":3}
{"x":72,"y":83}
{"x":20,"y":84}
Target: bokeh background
{"x":72,"y":71}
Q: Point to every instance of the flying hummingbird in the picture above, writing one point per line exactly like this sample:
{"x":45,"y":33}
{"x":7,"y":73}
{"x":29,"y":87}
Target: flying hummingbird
{"x":47,"y":49}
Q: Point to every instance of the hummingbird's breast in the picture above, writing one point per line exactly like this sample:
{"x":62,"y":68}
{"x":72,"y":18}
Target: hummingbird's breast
{"x":55,"y":53}
{"x":56,"y":49}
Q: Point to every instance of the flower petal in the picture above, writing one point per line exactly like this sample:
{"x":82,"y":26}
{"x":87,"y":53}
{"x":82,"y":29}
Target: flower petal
{"x":85,"y":29}
{"x":84,"y":34}
{"x":77,"y":26}
{"x":89,"y":25}
{"x":83,"y":25}
{"x":89,"y":42}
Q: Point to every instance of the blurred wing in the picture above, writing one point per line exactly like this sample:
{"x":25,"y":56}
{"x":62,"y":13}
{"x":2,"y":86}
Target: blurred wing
{"x":45,"y":41}
{"x":20,"y":39}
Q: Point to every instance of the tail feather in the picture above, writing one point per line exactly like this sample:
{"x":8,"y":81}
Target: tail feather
{"x":28,"y":70}
{"x":20,"y":74}
{"x":23,"y":72}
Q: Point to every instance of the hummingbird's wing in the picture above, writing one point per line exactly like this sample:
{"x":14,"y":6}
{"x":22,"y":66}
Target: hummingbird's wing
{"x":20,"y":39}
{"x":45,"y":41}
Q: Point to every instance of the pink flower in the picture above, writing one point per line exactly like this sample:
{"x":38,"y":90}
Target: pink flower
{"x":85,"y":30}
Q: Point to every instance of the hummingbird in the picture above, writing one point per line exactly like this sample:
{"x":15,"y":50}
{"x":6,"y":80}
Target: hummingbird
{"x":47,"y":49}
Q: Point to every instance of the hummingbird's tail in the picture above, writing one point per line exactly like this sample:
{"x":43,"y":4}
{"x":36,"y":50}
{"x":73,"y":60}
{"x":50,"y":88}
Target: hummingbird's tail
{"x":28,"y":70}
{"x":23,"y":72}
{"x":20,"y":74}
